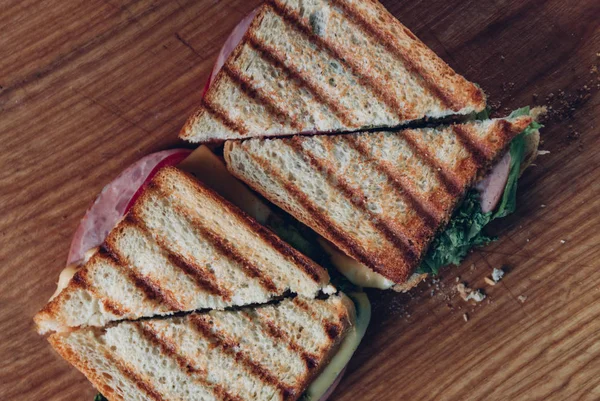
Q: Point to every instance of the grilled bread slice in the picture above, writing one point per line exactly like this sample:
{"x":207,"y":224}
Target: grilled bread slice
{"x":265,"y":353}
{"x":379,"y":197}
{"x":180,"y":248}
{"x":325,"y":66}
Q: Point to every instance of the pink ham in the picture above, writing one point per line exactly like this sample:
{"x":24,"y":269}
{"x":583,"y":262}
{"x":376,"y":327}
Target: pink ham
{"x":115,"y":199}
{"x":235,"y":37}
{"x":492,"y":187}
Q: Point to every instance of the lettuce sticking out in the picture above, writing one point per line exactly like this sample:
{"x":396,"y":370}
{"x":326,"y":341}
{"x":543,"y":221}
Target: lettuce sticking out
{"x":100,"y":397}
{"x":508,"y":203}
{"x":465,"y":229}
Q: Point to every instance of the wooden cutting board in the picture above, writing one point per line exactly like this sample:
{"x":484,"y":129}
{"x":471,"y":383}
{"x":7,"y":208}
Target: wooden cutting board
{"x":88,"y":87}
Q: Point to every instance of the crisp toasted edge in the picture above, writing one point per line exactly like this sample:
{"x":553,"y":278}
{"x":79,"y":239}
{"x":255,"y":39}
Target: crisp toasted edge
{"x":411,"y":283}
{"x":347,"y":317}
{"x":72,"y":357}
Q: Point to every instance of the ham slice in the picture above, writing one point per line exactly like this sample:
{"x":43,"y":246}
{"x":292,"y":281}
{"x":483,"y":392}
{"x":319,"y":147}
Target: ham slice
{"x":235,"y":37}
{"x":115,"y":199}
{"x":492,"y":187}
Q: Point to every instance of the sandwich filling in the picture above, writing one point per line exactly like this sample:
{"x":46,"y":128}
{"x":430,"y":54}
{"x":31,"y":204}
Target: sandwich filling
{"x":465,"y":229}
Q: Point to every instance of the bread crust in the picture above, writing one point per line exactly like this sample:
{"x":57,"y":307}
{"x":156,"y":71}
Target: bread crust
{"x":181,"y":247}
{"x":213,"y":352}
{"x":357,"y":174}
{"x":296,"y":90}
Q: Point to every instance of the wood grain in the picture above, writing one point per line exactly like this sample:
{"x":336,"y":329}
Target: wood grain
{"x":87,"y":87}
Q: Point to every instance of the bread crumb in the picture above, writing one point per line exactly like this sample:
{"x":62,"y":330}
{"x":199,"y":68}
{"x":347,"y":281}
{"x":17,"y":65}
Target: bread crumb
{"x":476,"y":296}
{"x":497,"y":274}
{"x":562,"y":241}
{"x":522,"y":298}
{"x":542,"y":206}
{"x":489,"y":281}
{"x":457,"y":279}
{"x":465,"y":317}
{"x":463,"y":290}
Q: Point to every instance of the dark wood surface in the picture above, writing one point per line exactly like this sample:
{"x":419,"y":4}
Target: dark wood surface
{"x":89,"y":86}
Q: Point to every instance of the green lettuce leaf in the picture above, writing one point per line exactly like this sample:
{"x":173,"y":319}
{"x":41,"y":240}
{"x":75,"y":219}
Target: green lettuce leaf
{"x":508,"y":203}
{"x":100,"y":397}
{"x":465,"y":229}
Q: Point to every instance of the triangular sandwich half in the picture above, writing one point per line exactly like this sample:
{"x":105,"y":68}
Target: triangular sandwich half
{"x":380,"y":197}
{"x":271,"y":352}
{"x":327,"y":66}
{"x":181,"y":247}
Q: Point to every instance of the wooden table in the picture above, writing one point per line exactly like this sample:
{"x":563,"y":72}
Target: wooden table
{"x":89,"y":86}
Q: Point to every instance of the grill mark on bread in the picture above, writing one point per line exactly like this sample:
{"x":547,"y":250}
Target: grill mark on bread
{"x":144,"y":385}
{"x":80,"y":280}
{"x":312,"y":270}
{"x":323,"y":223}
{"x":271,"y":55}
{"x":169,"y":349}
{"x":358,"y":199}
{"x":148,"y":286}
{"x":477,"y":154}
{"x":424,"y":209}
{"x":204,"y":279}
{"x":508,"y":130}
{"x":226,"y":250}
{"x":448,"y":180}
{"x":363,"y":77}
{"x":303,"y":305}
{"x":223,"y":117}
{"x":204,"y":328}
{"x":332,"y":330}
{"x":270,"y":327}
{"x":430,"y":83}
{"x":252,"y":92}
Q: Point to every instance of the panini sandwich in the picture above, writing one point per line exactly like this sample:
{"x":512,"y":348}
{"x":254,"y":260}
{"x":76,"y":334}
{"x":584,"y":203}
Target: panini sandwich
{"x":297,"y":70}
{"x":181,"y":247}
{"x":270,"y":352}
{"x":380,"y":197}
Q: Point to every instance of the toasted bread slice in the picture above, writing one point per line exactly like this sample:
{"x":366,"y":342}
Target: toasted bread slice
{"x":180,"y":248}
{"x":379,"y":197}
{"x":327,"y":66}
{"x":270,"y":352}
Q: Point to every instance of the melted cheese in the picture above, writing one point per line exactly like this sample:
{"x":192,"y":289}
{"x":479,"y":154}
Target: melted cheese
{"x":211,"y":170}
{"x":357,"y":273}
{"x":68,"y":272}
{"x":350,"y":343}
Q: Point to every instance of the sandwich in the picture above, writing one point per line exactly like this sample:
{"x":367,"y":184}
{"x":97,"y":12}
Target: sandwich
{"x":181,"y":254}
{"x":293,"y":67}
{"x":184,"y":284}
{"x":387,"y":199}
{"x":180,"y":248}
{"x":268,"y":352}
